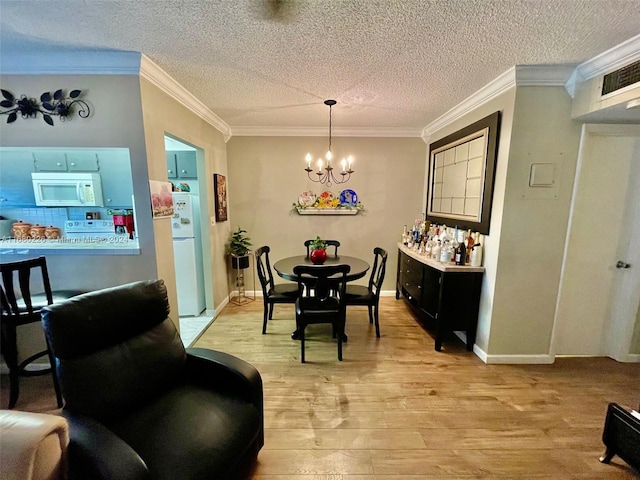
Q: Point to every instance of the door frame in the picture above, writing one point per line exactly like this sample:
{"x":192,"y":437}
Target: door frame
{"x":623,"y":300}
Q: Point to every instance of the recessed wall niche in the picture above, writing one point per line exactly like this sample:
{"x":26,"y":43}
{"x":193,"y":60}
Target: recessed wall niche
{"x":461,"y":173}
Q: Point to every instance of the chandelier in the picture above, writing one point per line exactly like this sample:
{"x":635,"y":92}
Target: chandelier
{"x":325,"y":173}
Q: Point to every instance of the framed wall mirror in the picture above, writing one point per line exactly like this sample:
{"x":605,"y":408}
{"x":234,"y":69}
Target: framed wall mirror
{"x":461,"y":173}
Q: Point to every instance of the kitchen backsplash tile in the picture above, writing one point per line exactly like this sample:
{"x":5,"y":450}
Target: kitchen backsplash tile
{"x":43,"y":216}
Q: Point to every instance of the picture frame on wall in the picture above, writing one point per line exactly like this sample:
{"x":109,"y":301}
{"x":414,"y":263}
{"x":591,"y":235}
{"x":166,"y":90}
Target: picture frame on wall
{"x":220,"y":196}
{"x":161,"y":198}
{"x":461,"y":176}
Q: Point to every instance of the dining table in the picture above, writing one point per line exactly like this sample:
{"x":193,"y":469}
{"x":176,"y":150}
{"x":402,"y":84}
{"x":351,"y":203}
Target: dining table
{"x":285,"y":266}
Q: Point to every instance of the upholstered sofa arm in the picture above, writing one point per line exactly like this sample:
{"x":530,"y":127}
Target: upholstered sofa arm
{"x":33,"y":446}
{"x":227,"y":373}
{"x":97,"y":453}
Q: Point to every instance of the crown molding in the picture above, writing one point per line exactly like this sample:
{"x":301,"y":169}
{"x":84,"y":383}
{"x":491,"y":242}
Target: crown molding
{"x":322,"y":132}
{"x":516,"y":76}
{"x":154,"y":74}
{"x":613,"y":59}
{"x":494,"y":88}
{"x":96,"y":62}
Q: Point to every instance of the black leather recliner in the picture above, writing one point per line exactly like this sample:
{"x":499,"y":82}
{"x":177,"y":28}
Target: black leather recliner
{"x":138,"y":404}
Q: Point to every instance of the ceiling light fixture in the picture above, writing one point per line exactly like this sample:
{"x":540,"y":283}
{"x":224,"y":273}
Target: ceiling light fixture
{"x":324,"y":173}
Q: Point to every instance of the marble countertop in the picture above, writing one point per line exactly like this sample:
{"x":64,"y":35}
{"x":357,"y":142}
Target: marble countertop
{"x":449,"y":267}
{"x":70,"y":246}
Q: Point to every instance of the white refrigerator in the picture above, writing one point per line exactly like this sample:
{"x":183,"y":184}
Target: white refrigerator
{"x":187,"y":254}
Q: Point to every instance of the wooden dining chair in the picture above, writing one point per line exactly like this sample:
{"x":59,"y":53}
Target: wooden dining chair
{"x":369,"y":296}
{"x":322,"y":304}
{"x":19,"y":307}
{"x":330,"y":243}
{"x":272,"y":293}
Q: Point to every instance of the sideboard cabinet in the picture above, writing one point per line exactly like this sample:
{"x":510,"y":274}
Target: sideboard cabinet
{"x":445,"y":297}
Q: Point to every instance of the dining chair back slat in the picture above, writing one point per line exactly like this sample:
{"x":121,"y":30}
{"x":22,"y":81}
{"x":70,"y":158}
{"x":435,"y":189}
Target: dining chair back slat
{"x":272,"y":293}
{"x":370,"y":296}
{"x":322,"y":304}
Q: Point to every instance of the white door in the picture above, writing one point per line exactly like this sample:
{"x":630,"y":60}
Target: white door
{"x":598,"y":303}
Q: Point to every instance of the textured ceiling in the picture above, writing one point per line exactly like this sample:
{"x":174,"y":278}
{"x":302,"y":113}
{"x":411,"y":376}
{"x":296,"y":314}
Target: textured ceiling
{"x":392,"y":64}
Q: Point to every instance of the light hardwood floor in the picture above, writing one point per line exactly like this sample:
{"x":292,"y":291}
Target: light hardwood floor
{"x":395,"y":409}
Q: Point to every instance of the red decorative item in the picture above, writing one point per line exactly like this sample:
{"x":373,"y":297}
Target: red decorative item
{"x":318,"y":256}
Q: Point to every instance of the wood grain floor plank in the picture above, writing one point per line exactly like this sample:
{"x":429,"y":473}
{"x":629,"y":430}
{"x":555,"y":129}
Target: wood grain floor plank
{"x":395,"y":409}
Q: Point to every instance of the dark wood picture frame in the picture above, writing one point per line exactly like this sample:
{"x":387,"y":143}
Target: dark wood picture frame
{"x":220,"y":196}
{"x":489,"y":128}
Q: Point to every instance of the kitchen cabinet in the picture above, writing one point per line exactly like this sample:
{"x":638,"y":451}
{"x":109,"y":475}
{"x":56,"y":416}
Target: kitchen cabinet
{"x":16,"y":189}
{"x":181,"y":165}
{"x":444,"y":297}
{"x":77,"y":161}
{"x":117,"y":184}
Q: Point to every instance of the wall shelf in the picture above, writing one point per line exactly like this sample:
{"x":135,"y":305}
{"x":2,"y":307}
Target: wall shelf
{"x":327,"y":211}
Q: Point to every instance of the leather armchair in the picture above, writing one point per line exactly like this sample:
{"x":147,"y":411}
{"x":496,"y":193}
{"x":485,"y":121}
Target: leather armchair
{"x":139,"y":405}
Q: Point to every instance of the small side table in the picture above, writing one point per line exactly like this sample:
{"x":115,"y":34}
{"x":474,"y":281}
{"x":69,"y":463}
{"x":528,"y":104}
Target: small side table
{"x":239,"y":279}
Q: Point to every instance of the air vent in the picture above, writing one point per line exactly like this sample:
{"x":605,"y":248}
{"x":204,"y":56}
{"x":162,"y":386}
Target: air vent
{"x":621,"y":78}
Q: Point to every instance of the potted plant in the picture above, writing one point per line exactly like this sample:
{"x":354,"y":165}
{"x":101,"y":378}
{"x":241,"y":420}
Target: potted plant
{"x":318,"y":253}
{"x":239,"y":246}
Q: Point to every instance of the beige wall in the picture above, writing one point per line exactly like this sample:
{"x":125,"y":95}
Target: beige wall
{"x":162,"y":114}
{"x":505,"y":104}
{"x":535,"y":127}
{"x":534,"y":223}
{"x":266,"y":176}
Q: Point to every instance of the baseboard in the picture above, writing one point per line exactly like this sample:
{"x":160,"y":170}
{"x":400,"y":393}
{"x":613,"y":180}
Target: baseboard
{"x":512,"y":359}
{"x":630,"y":358}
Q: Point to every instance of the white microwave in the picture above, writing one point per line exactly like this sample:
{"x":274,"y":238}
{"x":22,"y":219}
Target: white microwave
{"x":67,"y":189}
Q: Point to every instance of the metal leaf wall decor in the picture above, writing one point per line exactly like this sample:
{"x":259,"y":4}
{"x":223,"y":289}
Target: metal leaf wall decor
{"x":56,"y":105}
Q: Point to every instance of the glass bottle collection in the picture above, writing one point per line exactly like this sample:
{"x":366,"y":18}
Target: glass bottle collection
{"x":444,"y":244}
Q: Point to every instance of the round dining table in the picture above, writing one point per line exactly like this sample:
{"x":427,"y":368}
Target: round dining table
{"x":285,"y":266}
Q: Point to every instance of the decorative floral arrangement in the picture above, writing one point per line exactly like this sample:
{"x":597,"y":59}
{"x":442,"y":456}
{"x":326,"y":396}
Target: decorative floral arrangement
{"x":328,"y":201}
{"x":318,"y":243}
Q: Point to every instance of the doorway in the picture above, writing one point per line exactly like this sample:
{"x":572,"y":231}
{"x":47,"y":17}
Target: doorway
{"x":599,"y":299}
{"x":185,"y":164}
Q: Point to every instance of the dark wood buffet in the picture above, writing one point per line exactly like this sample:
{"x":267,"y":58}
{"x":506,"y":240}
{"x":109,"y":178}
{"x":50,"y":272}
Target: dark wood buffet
{"x":444,"y":297}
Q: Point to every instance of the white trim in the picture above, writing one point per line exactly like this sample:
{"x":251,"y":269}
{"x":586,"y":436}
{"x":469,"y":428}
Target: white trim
{"x":70,"y":63}
{"x":494,"y":88}
{"x":161,"y":79}
{"x":374,"y":132}
{"x":519,"y":75}
{"x":631,"y":358}
{"x":515,"y":359}
{"x":617,"y":57}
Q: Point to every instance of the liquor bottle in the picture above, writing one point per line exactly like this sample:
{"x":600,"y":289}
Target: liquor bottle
{"x":461,"y":250}
{"x":476,"y":252}
{"x":437,"y":249}
{"x":470,"y":243}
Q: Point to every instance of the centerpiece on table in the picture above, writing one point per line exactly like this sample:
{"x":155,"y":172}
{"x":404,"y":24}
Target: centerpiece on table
{"x":318,"y":251}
